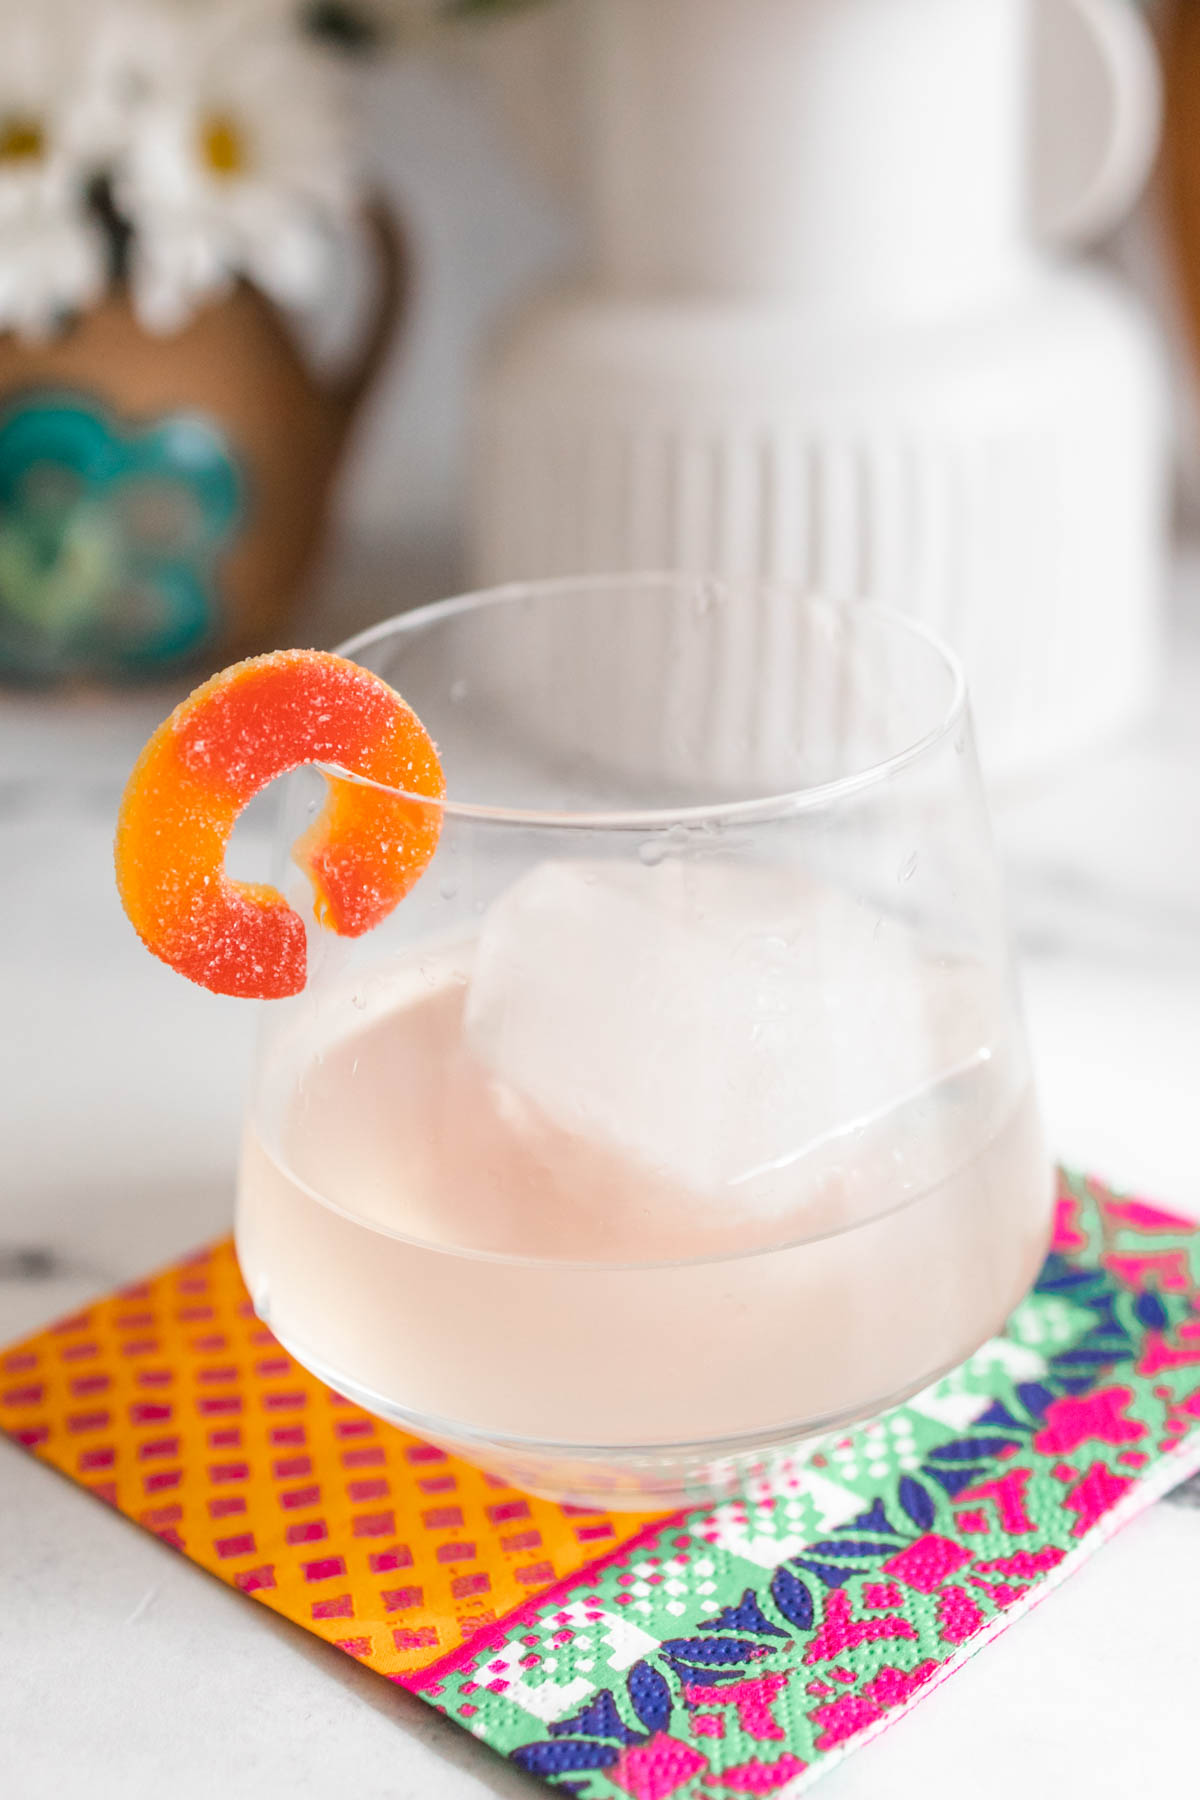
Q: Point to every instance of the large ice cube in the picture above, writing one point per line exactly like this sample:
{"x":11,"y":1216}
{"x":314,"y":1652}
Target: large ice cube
{"x":712,"y":1021}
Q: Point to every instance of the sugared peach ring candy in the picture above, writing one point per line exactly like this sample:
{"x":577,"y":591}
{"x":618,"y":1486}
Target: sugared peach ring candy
{"x":362,"y":854}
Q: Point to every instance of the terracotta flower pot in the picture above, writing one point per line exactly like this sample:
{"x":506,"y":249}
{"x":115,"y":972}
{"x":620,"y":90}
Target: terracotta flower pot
{"x":161,"y":498}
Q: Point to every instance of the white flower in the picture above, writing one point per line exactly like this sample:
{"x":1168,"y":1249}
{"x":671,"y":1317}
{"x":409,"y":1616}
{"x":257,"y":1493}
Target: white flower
{"x":51,"y":266}
{"x":53,"y":257}
{"x":236,"y":162}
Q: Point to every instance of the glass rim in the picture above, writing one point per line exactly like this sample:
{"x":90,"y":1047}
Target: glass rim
{"x":807,"y":798}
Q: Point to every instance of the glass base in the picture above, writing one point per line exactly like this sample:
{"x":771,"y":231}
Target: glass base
{"x":633,"y":1478}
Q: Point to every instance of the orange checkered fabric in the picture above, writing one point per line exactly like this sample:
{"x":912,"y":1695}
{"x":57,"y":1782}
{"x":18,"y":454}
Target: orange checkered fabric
{"x":172,"y":1401}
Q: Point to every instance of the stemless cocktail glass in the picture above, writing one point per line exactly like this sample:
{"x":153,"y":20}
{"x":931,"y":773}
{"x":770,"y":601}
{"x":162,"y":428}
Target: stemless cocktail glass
{"x":683,"y":1110}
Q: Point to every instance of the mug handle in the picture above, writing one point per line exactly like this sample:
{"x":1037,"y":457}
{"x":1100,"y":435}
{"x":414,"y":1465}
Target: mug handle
{"x":1097,"y":116}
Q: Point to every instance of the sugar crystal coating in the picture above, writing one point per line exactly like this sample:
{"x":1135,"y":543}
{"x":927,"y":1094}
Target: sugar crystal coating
{"x":237,"y":732}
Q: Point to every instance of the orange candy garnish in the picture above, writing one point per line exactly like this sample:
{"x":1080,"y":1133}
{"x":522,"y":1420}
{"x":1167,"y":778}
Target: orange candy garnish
{"x":363,"y":853}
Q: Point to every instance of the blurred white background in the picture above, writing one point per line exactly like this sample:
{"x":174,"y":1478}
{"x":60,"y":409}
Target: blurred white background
{"x":486,"y":221}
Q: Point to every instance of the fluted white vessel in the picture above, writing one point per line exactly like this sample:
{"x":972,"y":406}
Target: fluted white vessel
{"x":821,"y":348}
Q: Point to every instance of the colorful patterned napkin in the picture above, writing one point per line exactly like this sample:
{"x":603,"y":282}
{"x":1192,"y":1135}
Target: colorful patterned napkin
{"x":737,"y":1650}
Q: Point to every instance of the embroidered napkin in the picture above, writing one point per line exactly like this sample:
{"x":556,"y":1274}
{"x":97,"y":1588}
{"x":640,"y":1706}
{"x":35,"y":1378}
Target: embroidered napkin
{"x":736,"y":1650}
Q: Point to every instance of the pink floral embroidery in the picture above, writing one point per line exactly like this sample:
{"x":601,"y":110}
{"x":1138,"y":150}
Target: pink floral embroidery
{"x":846,"y":1717}
{"x":924,"y":1566}
{"x":972,"y":1522}
{"x":753,"y":1700}
{"x":1072,"y":1421}
{"x":891,"y":1686}
{"x":958,"y":1615}
{"x":1158,"y":1355}
{"x":1169,"y":1266}
{"x":757,"y":1777}
{"x":1091,"y":1498}
{"x":840,"y":1630}
{"x":843,"y":1719}
{"x":1144,"y":1217}
{"x":1024,"y":1562}
{"x":656,"y":1769}
{"x":999,"y":1592}
{"x":1008,"y":1496}
{"x":1067,"y":1235}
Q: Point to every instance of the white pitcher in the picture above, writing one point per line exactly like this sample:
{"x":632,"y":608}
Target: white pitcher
{"x":823,"y":340}
{"x":834,"y":152}
{"x":830,"y":153}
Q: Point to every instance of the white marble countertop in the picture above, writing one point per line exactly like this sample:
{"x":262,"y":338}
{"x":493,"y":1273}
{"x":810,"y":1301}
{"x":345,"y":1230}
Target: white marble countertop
{"x":126,"y":1670}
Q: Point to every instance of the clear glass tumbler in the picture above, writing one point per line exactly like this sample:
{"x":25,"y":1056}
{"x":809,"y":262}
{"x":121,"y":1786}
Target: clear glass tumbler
{"x":683,"y":1111}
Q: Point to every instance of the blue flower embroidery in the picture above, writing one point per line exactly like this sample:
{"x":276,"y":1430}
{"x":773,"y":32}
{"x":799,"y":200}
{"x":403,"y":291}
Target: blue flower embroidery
{"x":110,"y":536}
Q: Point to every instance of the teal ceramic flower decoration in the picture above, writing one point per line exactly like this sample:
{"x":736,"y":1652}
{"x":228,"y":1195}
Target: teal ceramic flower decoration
{"x":111,"y":536}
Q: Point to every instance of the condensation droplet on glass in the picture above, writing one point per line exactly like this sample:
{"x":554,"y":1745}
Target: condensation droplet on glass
{"x":358,"y":1001}
{"x":656,"y":848}
{"x":907,"y":869}
{"x":447,"y":889}
{"x":458,"y":690}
